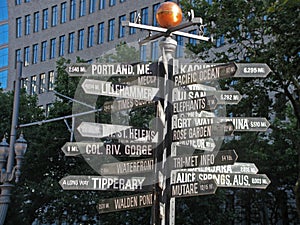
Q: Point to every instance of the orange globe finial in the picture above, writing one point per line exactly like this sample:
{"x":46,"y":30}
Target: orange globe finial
{"x":168,"y":15}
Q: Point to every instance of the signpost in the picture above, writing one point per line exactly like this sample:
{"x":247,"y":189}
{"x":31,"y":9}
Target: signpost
{"x":183,"y":125}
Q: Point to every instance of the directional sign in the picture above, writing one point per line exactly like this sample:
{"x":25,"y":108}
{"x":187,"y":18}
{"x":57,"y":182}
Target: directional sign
{"x":223,"y":97}
{"x":108,"y":69}
{"x":205,"y":144}
{"x":113,"y":149}
{"x":125,"y":203}
{"x":202,"y":131}
{"x":102,"y":183}
{"x":205,"y":74}
{"x":199,"y":104}
{"x":260,"y":181}
{"x":205,"y":159}
{"x":125,"y":104}
{"x":99,"y":130}
{"x":239,"y":123}
{"x":237,"y":168}
{"x":98,"y":87}
{"x":205,"y":187}
{"x":186,"y":75}
{"x":128,"y":167}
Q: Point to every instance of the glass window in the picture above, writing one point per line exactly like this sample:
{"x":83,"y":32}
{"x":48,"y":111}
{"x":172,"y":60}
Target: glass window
{"x":63,"y":15}
{"x":3,"y":79}
{"x":35,"y":53}
{"x":193,"y":41}
{"x":44,"y":51}
{"x":45,"y":19}
{"x":111,"y":30}
{"x":26,"y":56}
{"x":145,"y":16}
{"x":101,"y":4}
{"x":36,"y":21}
{"x":71,"y":42}
{"x":54,"y":16}
{"x":122,"y":1}
{"x":27,"y":24}
{"x":72,"y":9}
{"x":154,"y":50}
{"x":3,"y":57}
{"x":132,"y":30}
{"x":112,"y":2}
{"x":19,"y":27}
{"x":42,"y":83}
{"x":52,"y":48}
{"x":143,"y":53}
{"x":33,"y":85}
{"x":18,"y":2}
{"x":121,"y":28}
{"x":90,"y":36}
{"x":180,"y":46}
{"x":17,"y":57}
{"x":155,"y":7}
{"x":100,"y":33}
{"x":82,"y":8}
{"x":62,"y":45}
{"x":80,"y":39}
{"x":4,"y":34}
{"x":26,"y":1}
{"x":51,"y":81}
{"x":92,"y":6}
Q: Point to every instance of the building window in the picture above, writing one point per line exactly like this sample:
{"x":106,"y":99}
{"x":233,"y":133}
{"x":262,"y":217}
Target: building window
{"x":63,"y":15}
{"x":90,"y":36}
{"x":18,"y":57}
{"x":80,"y":39}
{"x":72,"y":9}
{"x":36,"y":22}
{"x":42,"y":83}
{"x":19,"y":27}
{"x":193,"y":41}
{"x":33,"y":85}
{"x":71,"y":42}
{"x":25,"y":84}
{"x":101,"y":4}
{"x":121,"y":28}
{"x":48,"y":108}
{"x":111,"y":30}
{"x":52,"y":48}
{"x":35,"y":53}
{"x":112,"y":2}
{"x":26,"y":56}
{"x":100,"y":33}
{"x":154,"y":20}
{"x":18,"y":2}
{"x":82,"y":8}
{"x":180,"y":45}
{"x":45,"y":19}
{"x":154,"y":50}
{"x":92,"y":6}
{"x":54,"y":16}
{"x":50,"y":81}
{"x":26,"y":1}
{"x":44,"y":51}
{"x":27,"y":24}
{"x":121,"y":1}
{"x":62,"y":45}
{"x":145,"y":16}
{"x":132,"y":30}
{"x":143,"y":53}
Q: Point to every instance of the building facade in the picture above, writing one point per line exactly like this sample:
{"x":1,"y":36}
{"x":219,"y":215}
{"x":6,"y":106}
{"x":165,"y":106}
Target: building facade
{"x":40,"y":32}
{"x":3,"y":44}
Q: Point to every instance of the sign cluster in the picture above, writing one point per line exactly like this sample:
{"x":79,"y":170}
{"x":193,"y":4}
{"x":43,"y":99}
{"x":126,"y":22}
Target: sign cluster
{"x":194,"y":128}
